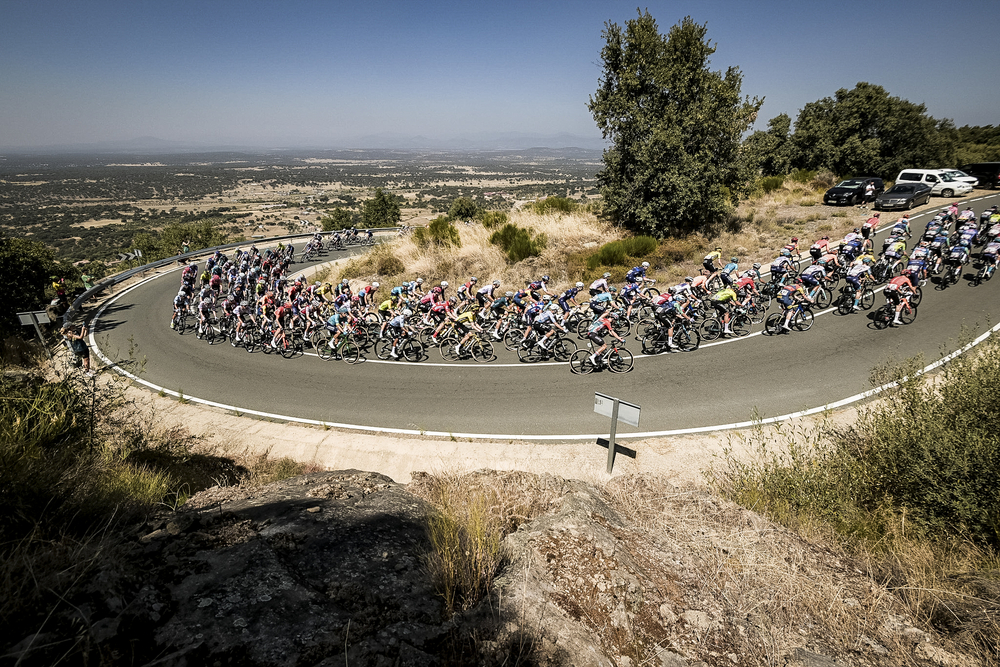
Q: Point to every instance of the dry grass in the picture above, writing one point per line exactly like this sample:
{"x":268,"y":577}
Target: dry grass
{"x":474,"y":513}
{"x":567,"y":234}
{"x":780,"y":591}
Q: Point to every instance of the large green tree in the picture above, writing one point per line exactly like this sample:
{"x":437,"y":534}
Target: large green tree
{"x":28,"y":267}
{"x":675,"y":164}
{"x":773,"y":147}
{"x":865,"y":131}
{"x":382,"y":210}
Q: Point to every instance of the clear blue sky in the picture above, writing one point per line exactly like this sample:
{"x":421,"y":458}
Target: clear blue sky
{"x":299,"y":72}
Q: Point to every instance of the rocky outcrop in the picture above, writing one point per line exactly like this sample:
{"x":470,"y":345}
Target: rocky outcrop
{"x":327,"y":569}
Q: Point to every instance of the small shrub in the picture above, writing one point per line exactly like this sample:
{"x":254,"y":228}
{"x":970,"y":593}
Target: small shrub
{"x":824,"y":180}
{"x":769,"y":184}
{"x":494,"y":219}
{"x":622,"y":252}
{"x":389,"y":265}
{"x":554,"y":205}
{"x":441,"y":232}
{"x":803,"y":175}
{"x":518,"y":243}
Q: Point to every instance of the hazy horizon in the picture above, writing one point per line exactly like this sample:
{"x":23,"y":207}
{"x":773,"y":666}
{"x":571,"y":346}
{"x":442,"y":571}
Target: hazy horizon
{"x":307,"y":73}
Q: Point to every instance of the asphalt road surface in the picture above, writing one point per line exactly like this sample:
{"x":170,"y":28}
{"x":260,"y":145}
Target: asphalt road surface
{"x":759,"y":376}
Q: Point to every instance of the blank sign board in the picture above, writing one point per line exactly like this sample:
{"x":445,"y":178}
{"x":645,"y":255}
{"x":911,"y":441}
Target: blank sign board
{"x":40,"y":316}
{"x":628,"y":413}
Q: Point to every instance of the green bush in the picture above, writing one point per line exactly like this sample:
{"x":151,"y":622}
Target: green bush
{"x":554,"y":205}
{"x":803,"y":175}
{"x":389,"y":265}
{"x":518,"y":243}
{"x":494,"y":219}
{"x":463,"y":208}
{"x":622,"y":252}
{"x":769,"y":184}
{"x":927,"y":454}
{"x":441,"y":232}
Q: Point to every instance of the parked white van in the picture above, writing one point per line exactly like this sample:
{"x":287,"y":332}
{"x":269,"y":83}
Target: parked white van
{"x":940,"y":181}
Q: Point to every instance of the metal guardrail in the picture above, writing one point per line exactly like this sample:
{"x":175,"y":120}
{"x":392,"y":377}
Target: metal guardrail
{"x":110,"y":282}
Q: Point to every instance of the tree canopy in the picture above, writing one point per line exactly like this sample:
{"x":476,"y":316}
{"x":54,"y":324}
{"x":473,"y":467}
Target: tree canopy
{"x":865,"y":131}
{"x":675,"y":163}
{"x":382,"y":210}
{"x":29,"y":267}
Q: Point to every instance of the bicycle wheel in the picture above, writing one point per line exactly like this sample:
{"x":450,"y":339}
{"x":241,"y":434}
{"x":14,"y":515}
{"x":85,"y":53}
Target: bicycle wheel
{"x":845,"y":302}
{"x":823,"y":297}
{"x":289,"y":348}
{"x":622,"y":326}
{"x":350,"y":351}
{"x":867,"y":298}
{"x":757,"y":313}
{"x":482,"y":351}
{"x":687,"y":340}
{"x":907,"y":315}
{"x":740,"y":325}
{"x":447,"y":350}
{"x":645,"y":328}
{"x":711,"y":329}
{"x":883,"y":316}
{"x":563,"y":349}
{"x":512,"y":339}
{"x":803,"y":320}
{"x":579,"y":363}
{"x":651,"y":292}
{"x":383,"y":348}
{"x":655,"y":344}
{"x":620,"y":361}
{"x":916,"y":297}
{"x":412,"y":350}
{"x":529,"y":355}
{"x":321,"y":343}
{"x":772,"y":326}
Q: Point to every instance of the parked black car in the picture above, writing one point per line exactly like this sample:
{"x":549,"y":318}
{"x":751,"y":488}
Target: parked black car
{"x":988,"y":173}
{"x":903,"y":196}
{"x":852,"y":191}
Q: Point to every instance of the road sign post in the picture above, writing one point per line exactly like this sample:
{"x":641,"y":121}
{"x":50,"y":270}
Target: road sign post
{"x":610,"y":406}
{"x":36,"y":317}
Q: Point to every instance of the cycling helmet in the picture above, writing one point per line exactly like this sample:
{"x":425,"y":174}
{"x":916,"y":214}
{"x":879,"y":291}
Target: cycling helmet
{"x":181,"y":292}
{"x":734,"y":259}
{"x":509,"y":293}
{"x":554,"y":307}
{"x":606,"y":275}
{"x":407,"y":312}
{"x":452,"y":301}
{"x":375,"y":285}
{"x":579,"y":284}
{"x":612,"y":315}
{"x":645,"y":265}
{"x":867,"y":260}
{"x":317,"y":284}
{"x":925,"y":243}
{"x":436,"y":290}
{"x":444,"y":283}
{"x":795,"y":239}
{"x":420,"y":281}
{"x":719,"y":249}
{"x":473,"y":279}
{"x":496,"y":283}
{"x":344,"y":281}
{"x":672,"y":290}
{"x":546,"y":297}
{"x":786,"y":253}
{"x":545,"y":279}
{"x":825,"y":238}
{"x":688,"y":279}
{"x":756,"y":266}
{"x":613,"y":289}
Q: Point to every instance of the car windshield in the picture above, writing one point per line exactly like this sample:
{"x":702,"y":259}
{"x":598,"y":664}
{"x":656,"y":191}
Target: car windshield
{"x":848,"y":184}
{"x":958,"y":174}
{"x":909,"y":176}
{"x":947,"y":178}
{"x":901,"y":189}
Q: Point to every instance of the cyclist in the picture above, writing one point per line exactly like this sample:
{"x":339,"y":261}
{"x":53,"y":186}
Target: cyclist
{"x":600,"y":302}
{"x":968,"y":215}
{"x":871,"y":223}
{"x":595,"y":332}
{"x":790,"y":297}
{"x":546,"y":323}
{"x":344,"y":287}
{"x":729,"y":271}
{"x":637,"y":274}
{"x":484,"y":296}
{"x":337,"y":323}
{"x":669,"y":312}
{"x":989,"y":256}
{"x":499,"y":308}
{"x":600,"y":285}
{"x":465,"y":326}
{"x":537,"y":286}
{"x":820,"y":248}
{"x":748,"y":281}
{"x":440,"y":313}
{"x":967,"y":235}
{"x":902,"y":227}
{"x":721,"y":301}
{"x":709,"y":263}
{"x":569,"y":296}
{"x":397,"y":328}
{"x":897,"y":292}
{"x":939,"y":245}
{"x":813,"y":275}
{"x":366,"y":295}
{"x":181,"y":302}
{"x":465,"y":291}
{"x":792,"y":247}
{"x":858,"y":275}
{"x":206,"y":307}
{"x":781,"y":266}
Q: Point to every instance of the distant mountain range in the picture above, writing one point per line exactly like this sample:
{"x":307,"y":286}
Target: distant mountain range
{"x":383,"y":141}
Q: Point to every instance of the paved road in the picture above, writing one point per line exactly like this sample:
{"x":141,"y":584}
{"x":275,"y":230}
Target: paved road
{"x":724,"y":384}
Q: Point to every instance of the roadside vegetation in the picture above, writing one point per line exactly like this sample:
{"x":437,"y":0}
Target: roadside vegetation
{"x":910,"y":490}
{"x":79,"y":464}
